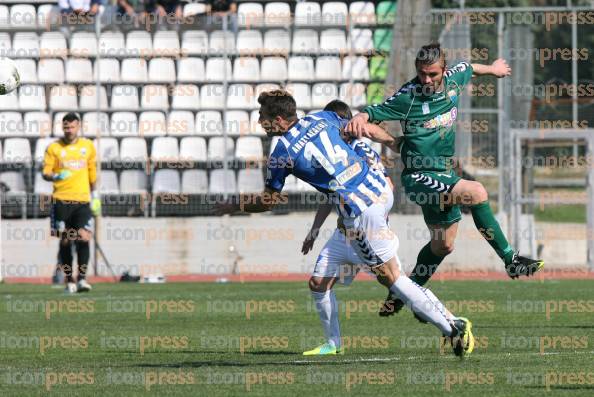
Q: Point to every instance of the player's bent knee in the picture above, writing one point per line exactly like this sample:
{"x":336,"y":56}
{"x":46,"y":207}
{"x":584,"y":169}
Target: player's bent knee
{"x":84,"y":235}
{"x":442,"y":248}
{"x":318,"y":284}
{"x":479,"y":193}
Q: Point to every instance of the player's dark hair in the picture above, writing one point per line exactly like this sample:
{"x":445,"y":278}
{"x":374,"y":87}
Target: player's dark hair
{"x":70,"y":117}
{"x":430,"y":54}
{"x":340,"y":108}
{"x":278,"y":103}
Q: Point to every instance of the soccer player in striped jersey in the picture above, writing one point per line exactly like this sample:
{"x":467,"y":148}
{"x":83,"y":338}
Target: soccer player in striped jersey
{"x":427,"y":107}
{"x":313,"y":150}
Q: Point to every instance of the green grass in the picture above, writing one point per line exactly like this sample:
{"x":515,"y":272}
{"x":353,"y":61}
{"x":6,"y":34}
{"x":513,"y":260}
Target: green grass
{"x":571,"y":213}
{"x":393,"y":356}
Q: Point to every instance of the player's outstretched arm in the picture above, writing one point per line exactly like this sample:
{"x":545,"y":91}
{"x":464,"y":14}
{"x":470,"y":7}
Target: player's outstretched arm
{"x":499,"y":68}
{"x":251,"y":202}
{"x":323,"y":212}
{"x":378,"y":134}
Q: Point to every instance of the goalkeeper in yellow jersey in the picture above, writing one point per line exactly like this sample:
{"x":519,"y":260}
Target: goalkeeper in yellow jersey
{"x":70,"y":164}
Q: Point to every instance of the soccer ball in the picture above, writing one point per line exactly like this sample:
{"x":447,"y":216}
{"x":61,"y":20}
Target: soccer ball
{"x":9,"y":76}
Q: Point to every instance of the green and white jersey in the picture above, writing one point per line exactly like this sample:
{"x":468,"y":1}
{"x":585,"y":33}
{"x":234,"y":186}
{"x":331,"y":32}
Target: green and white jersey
{"x":428,"y":121}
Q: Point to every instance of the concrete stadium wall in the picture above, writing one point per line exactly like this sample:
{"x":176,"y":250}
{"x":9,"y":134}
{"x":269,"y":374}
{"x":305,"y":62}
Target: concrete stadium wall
{"x":264,"y":244}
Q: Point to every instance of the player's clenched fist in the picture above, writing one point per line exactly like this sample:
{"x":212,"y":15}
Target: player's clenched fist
{"x":308,"y":243}
{"x":357,"y":125}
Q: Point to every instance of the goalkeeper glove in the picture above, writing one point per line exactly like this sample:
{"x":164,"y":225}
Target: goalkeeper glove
{"x":95,"y":203}
{"x":62,"y":175}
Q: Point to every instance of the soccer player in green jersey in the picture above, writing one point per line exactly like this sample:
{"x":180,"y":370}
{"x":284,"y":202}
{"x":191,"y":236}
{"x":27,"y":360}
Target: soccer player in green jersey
{"x":427,"y":107}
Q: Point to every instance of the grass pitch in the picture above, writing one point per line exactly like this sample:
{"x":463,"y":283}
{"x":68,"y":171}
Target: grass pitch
{"x":533,"y":338}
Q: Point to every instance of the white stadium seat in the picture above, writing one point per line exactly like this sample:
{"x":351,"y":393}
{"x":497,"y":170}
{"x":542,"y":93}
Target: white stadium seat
{"x":17,"y":150}
{"x":192,"y":9}
{"x":308,"y":13}
{"x":133,"y":182}
{"x":166,"y":181}
{"x":322,"y":93}
{"x":190,"y":70}
{"x":79,"y":70}
{"x":250,"y":15}
{"x":237,"y":122}
{"x":301,"y":93}
{"x":333,"y":41}
{"x":11,"y":124}
{"x":5,"y":44}
{"x":108,"y":70}
{"x":42,"y":186}
{"x":27,"y":70}
{"x":185,"y":96}
{"x":88,"y":98}
{"x":246,"y":69}
{"x":50,"y":71}
{"x":133,"y":149}
{"x":222,"y":181}
{"x":263,"y":87}
{"x":40,"y":146}
{"x":250,"y":42}
{"x":124,"y":97}
{"x":25,"y":45}
{"x":240,"y":96}
{"x":215,"y":69}
{"x":83,"y":44}
{"x":109,"y":150}
{"x":57,"y":124}
{"x":124,"y":124}
{"x":32,"y":97}
{"x":212,"y":96}
{"x":151,"y":124}
{"x":15,"y":181}
{"x":166,"y":43}
{"x":164,"y":149}
{"x":192,"y":148}
{"x":301,"y":68}
{"x":219,"y":43}
{"x":216,"y":148}
{"x":362,"y":12}
{"x":138,"y":43}
{"x":134,"y":70}
{"x":361,"y":41}
{"x":194,"y":182}
{"x":154,"y":97}
{"x":353,"y":94}
{"x":112,"y":44}
{"x":355,"y":67}
{"x":334,"y":13}
{"x":274,"y":69}
{"x":277,"y":42}
{"x":328,"y":68}
{"x":161,"y":70}
{"x":305,"y":41}
{"x":250,"y":180}
{"x":209,"y":122}
{"x":37,"y":124}
{"x":249,"y":148}
{"x":180,"y":122}
{"x":63,"y":97}
{"x":53,"y":44}
{"x":194,"y":42}
{"x":45,"y":16}
{"x":23,"y":16}
{"x":11,"y":100}
{"x":255,"y":127}
{"x":108,"y":183}
{"x":94,"y":123}
{"x":277,"y":13}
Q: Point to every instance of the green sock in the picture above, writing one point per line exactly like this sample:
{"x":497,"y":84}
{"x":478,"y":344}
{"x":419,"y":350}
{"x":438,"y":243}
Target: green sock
{"x":488,"y":226}
{"x":427,"y":263}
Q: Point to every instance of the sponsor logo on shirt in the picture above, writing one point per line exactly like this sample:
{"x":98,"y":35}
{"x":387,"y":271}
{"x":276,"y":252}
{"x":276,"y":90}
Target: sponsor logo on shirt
{"x":446,"y":119}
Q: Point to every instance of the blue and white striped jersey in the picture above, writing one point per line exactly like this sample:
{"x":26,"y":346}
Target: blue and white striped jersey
{"x":314,"y":151}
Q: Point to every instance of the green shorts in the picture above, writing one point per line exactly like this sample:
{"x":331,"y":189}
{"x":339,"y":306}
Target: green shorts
{"x":425,"y":188}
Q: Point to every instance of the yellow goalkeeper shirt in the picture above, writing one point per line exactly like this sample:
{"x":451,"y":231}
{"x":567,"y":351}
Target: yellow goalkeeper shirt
{"x":78,"y":158}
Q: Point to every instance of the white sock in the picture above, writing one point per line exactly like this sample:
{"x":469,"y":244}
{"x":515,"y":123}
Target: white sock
{"x":327,"y":307}
{"x":416,"y":298}
{"x":438,"y":304}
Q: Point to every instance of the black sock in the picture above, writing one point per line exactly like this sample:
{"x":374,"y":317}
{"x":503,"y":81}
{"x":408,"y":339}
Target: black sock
{"x":83,"y":254}
{"x":65,"y":259}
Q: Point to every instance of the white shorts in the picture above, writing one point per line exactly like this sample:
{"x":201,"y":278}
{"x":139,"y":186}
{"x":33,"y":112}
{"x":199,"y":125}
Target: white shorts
{"x":370,"y":243}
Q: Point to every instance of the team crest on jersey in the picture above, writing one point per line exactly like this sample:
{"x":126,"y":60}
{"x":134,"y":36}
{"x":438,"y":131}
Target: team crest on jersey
{"x":63,"y":153}
{"x":83,"y":151}
{"x":452,"y":94}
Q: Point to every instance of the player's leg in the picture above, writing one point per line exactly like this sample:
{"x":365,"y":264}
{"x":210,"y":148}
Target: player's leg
{"x":434,"y":252}
{"x":59,"y":215}
{"x":474,"y":194}
{"x":83,"y":220}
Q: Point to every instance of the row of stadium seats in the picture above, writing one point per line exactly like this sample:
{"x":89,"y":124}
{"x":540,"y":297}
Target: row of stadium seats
{"x":134,"y":149}
{"x":195,"y":42}
{"x":164,"y":181}
{"x":197,"y":70}
{"x":183,"y":96}
{"x":27,"y":16}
